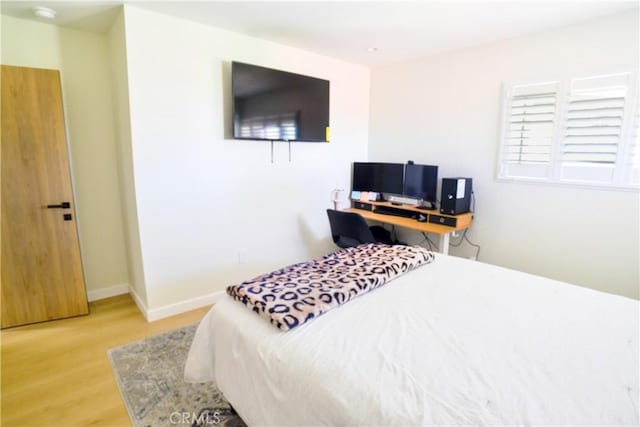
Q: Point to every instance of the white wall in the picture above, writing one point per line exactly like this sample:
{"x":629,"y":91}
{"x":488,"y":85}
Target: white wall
{"x":82,"y":59}
{"x":203,"y":199}
{"x":445,"y":110}
{"x":116,"y":40}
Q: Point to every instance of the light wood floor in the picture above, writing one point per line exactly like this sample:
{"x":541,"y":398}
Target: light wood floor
{"x":58,"y":373}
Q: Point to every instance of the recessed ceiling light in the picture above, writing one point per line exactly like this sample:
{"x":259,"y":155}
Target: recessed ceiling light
{"x":44,"y":12}
{"x":372,"y":49}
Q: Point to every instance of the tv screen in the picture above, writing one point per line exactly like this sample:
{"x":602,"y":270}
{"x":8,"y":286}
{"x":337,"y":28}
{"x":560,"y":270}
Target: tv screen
{"x":421,"y":182}
{"x":276,"y":105}
{"x":378,"y":177}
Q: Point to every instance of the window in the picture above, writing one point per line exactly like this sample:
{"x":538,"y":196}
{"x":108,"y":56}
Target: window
{"x":581,"y":131}
{"x":633,"y":151}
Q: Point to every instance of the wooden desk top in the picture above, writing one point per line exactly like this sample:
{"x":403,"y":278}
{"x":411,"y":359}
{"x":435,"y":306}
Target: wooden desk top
{"x":463,"y":220}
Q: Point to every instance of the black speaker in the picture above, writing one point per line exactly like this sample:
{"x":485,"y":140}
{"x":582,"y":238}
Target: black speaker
{"x":456,"y":196}
{"x":361,"y":205}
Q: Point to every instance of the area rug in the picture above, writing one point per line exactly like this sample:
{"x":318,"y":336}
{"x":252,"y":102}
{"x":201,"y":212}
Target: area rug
{"x":149,"y":373}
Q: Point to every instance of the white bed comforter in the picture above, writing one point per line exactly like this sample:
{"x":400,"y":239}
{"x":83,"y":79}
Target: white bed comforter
{"x":454,"y":342}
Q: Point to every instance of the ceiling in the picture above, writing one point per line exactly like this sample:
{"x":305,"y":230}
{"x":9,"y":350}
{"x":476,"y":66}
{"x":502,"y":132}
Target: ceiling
{"x":399,"y":30}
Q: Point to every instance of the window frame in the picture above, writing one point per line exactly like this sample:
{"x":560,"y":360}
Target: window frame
{"x":623,"y":173}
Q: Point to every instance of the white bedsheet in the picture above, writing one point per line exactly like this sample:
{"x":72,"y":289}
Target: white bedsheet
{"x":453,"y":342}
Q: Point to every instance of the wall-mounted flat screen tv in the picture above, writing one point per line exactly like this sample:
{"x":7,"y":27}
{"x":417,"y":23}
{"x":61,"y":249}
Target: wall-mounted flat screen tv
{"x":275,"y":105}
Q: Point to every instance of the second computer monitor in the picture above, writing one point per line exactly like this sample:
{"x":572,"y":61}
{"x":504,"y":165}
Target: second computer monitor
{"x":421,"y":182}
{"x":390,"y":178}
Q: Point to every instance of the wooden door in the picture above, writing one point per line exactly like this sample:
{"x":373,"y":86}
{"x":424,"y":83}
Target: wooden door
{"x":42,"y":275}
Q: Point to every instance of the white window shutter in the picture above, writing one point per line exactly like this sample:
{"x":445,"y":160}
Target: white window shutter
{"x":593,"y":130}
{"x":529,"y":129}
{"x":633,"y":157}
{"x":582,"y":131}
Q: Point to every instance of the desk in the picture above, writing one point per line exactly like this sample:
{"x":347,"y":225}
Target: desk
{"x":462,"y":221}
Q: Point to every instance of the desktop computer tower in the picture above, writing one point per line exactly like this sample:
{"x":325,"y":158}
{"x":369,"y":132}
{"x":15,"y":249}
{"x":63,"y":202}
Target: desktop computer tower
{"x":455,"y":197}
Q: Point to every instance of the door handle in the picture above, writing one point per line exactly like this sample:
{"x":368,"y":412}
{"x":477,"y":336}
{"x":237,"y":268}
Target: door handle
{"x":63,"y":205}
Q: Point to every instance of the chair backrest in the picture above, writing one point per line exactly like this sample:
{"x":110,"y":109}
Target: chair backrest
{"x":349,"y":229}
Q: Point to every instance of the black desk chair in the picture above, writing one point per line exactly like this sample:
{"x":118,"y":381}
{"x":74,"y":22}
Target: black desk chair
{"x":350,"y":229}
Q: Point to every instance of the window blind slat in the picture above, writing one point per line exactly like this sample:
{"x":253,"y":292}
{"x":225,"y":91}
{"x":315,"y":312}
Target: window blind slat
{"x":534,"y":95}
{"x":586,"y":149}
{"x":594,"y":131}
{"x":592,"y":125}
{"x":528,"y":141}
{"x":541,"y":108}
{"x":540,"y":115}
{"x":591,"y":139}
{"x":580,"y":101}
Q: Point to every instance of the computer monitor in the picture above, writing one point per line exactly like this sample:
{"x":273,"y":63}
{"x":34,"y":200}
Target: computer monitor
{"x":362,"y":176}
{"x":421,"y":182}
{"x":390,"y":178}
{"x":378,"y":177}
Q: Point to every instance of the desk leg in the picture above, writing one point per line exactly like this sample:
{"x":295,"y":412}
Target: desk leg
{"x":444,"y":243}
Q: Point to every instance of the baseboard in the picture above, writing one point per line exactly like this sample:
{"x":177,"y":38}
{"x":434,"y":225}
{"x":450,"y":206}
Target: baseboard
{"x":108,"y":292}
{"x":157,"y":313}
{"x":182,"y":306}
{"x":141,"y":305}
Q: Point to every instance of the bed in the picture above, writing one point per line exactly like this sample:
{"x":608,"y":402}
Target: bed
{"x":449,"y":343}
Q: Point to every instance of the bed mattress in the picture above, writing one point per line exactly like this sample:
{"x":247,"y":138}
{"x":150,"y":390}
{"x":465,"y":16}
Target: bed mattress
{"x":453,"y":342}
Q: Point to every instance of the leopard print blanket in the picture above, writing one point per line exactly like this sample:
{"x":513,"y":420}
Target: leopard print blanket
{"x":296,"y":294}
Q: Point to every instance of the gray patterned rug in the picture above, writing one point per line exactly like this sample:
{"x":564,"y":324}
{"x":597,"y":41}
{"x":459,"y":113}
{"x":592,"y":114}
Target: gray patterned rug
{"x":149,"y":375}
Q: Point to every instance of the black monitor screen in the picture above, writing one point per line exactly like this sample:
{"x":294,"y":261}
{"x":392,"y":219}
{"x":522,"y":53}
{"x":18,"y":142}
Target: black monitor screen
{"x":378,"y":177}
{"x":363,"y":176}
{"x":390,"y":178}
{"x":273,"y":105}
{"x":421,"y":182}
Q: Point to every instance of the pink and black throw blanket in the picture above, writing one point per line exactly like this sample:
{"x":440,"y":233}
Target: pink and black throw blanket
{"x":301,"y":292}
